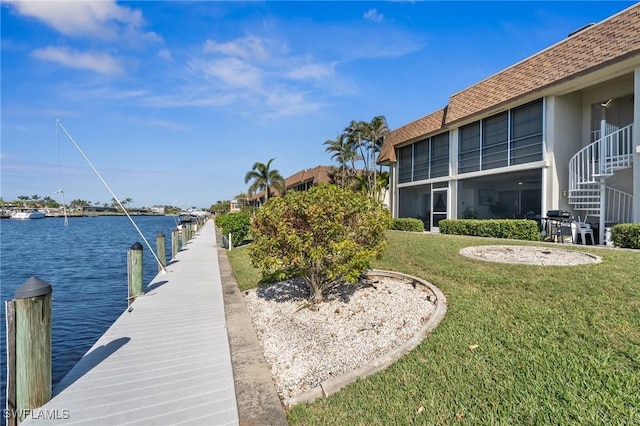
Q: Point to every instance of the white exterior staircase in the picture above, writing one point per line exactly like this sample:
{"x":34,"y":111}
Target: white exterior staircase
{"x":589,"y":169}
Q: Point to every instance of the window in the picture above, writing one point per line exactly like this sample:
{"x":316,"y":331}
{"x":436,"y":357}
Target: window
{"x":526,"y":133}
{"x":505,"y":139}
{"x":440,"y":155}
{"x":426,"y":159}
{"x":469,"y":148}
{"x":421,"y":160}
{"x":405,"y":164}
{"x":495,"y":147}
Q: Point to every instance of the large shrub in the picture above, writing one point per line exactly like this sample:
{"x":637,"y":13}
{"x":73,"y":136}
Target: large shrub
{"x":238,"y":224}
{"x":517,"y":229}
{"x":407,"y":224}
{"x":626,"y":235}
{"x":324,"y":235}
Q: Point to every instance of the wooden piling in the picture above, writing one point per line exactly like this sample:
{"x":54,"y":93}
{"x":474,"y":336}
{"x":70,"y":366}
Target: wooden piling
{"x":175,"y":242}
{"x":10,"y":414}
{"x":161,"y":251}
{"x":134,"y":271}
{"x":33,"y":345}
{"x":185,"y":234}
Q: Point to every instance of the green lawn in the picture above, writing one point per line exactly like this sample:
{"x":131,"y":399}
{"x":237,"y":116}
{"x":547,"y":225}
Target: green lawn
{"x":555,"y":345}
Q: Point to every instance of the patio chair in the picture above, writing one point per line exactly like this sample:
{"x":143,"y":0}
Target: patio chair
{"x":583,"y":229}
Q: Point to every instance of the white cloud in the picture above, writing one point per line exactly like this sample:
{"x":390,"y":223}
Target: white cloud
{"x":165,"y":54}
{"x":312,"y":71}
{"x":98,"y":62}
{"x":373,"y":15}
{"x":288,"y":103}
{"x":230,"y":72}
{"x":165,"y":124}
{"x":247,"y":47}
{"x":101,"y":19}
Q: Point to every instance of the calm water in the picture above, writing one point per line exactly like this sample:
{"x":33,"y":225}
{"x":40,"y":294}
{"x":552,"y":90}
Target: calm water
{"x":86,"y":264}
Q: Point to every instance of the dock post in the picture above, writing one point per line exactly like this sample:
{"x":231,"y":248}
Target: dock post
{"x":185,"y":233}
{"x":134,"y":271}
{"x":175,"y":234}
{"x":161,"y":251}
{"x":32,"y":346}
{"x":11,"y":413}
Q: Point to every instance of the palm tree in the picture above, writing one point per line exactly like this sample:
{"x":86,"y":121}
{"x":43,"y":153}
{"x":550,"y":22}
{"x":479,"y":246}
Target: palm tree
{"x":265,"y":179}
{"x":343,"y":153}
{"x":356,"y":135}
{"x":359,"y":183}
{"x":376,"y":130}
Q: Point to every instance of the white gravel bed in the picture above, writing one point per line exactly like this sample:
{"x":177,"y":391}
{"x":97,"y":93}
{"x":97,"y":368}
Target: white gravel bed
{"x":357,"y":324}
{"x":532,"y":255}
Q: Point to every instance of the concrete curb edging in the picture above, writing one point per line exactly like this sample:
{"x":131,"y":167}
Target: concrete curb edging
{"x":334,"y":384}
{"x":256,"y":397}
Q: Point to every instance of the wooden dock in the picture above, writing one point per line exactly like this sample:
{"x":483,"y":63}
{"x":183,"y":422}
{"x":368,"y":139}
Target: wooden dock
{"x":165,"y":361}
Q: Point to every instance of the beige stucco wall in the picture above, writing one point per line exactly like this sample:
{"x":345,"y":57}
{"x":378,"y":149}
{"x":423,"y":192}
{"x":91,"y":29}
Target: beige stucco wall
{"x":563,"y":138}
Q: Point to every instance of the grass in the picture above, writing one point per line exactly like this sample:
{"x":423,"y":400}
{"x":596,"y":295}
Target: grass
{"x":555,"y":345}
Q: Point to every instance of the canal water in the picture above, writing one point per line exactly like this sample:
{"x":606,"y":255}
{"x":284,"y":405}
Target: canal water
{"x":86,"y":265}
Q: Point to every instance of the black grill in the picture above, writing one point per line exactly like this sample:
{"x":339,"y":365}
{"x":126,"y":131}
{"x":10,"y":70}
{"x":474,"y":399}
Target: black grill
{"x":559,"y":214}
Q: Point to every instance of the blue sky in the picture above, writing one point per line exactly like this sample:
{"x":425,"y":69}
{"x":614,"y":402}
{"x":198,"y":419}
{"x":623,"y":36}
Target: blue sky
{"x":173,"y":102}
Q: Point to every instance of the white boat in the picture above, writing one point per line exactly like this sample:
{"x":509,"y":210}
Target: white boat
{"x":28,"y":214}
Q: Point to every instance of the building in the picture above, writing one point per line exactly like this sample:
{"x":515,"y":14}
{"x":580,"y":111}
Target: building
{"x":552,"y":132}
{"x":300,"y":181}
{"x":305,"y":179}
{"x":158,"y":210}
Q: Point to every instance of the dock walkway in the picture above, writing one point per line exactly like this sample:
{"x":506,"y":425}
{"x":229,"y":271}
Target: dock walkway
{"x":165,"y":361}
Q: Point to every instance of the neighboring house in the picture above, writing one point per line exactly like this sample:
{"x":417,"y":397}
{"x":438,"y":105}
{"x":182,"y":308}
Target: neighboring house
{"x":557,"y":131}
{"x":300,"y":181}
{"x":99,"y":209}
{"x":158,"y":209}
{"x":305,"y":179}
{"x":234,"y":206}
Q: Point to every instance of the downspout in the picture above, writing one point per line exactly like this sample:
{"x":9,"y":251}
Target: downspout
{"x":635,"y":135}
{"x":602,"y":161}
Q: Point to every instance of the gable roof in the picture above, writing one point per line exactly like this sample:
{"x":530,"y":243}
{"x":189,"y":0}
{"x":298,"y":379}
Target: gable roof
{"x":611,"y":41}
{"x":319,"y":174}
{"x":316,"y":175}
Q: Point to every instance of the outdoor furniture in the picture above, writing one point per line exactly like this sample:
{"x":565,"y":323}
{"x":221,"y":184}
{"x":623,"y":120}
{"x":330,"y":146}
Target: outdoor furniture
{"x":583,"y":229}
{"x":558,"y":226}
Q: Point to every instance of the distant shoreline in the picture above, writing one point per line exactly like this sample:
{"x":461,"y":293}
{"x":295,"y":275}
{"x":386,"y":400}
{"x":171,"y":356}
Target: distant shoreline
{"x":6,"y":214}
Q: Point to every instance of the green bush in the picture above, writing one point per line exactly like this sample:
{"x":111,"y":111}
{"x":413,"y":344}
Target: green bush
{"x":238,"y":224}
{"x":626,"y":235}
{"x":324,"y":235}
{"x":517,"y":229}
{"x":407,"y":224}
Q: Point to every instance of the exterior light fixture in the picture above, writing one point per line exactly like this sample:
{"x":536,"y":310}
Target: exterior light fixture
{"x":606,"y":104}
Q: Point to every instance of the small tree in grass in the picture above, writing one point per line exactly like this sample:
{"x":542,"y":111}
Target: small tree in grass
{"x":324,"y":235}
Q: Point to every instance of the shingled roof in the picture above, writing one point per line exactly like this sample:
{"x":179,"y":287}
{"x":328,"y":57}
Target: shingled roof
{"x":612,"y":40}
{"x":424,"y":126}
{"x":316,"y":175}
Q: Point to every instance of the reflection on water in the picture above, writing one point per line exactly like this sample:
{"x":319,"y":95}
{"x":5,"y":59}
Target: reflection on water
{"x":86,"y":264}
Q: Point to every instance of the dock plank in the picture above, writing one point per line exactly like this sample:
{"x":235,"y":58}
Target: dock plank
{"x":164,"y":361}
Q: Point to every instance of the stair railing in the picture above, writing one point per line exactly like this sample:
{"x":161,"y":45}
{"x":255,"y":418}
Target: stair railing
{"x":616,"y":148}
{"x":619,"y":206}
